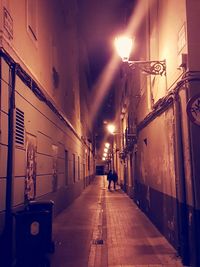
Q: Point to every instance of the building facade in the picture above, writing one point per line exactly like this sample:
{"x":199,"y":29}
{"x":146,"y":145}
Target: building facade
{"x":157,"y":152}
{"x":46,"y":144}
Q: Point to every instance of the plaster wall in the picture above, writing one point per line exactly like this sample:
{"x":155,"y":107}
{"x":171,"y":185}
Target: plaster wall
{"x":52,"y":61}
{"x":156,"y":177}
{"x":172,"y":39}
{"x":156,"y":154}
{"x":193,"y":9}
{"x":52,"y":54}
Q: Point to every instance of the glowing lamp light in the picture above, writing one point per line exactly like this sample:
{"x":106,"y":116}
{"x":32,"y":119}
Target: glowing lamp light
{"x":124,"y":46}
{"x":107,"y":145}
{"x":105,"y":149}
{"x":103,"y":158}
{"x":111,"y":128}
{"x":105,"y":154}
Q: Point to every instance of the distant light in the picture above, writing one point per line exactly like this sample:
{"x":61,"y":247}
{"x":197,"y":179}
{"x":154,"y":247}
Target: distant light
{"x":124,"y":46}
{"x":111,"y":128}
{"x":107,"y":145}
{"x":105,"y":154}
{"x":105,"y":149}
{"x":103,"y":158}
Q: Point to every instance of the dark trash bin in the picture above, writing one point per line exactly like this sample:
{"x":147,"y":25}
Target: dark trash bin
{"x":33,"y":227}
{"x":44,"y":206}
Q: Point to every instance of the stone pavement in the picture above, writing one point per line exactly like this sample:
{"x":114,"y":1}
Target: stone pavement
{"x":106,"y":229}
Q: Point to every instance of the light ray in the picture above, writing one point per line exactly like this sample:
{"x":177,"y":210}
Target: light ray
{"x":104,"y":82}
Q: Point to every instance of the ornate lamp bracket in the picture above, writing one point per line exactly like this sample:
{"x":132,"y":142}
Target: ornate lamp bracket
{"x":154,"y":67}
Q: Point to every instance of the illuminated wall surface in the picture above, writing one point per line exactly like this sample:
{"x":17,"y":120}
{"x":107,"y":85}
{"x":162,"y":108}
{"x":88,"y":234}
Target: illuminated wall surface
{"x":52,"y":157}
{"x":161,"y":171}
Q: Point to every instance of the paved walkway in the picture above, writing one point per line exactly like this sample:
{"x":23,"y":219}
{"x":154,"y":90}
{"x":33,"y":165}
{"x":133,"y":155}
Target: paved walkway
{"x":106,"y":229}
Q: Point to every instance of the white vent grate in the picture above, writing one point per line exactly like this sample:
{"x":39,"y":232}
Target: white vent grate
{"x":19,"y":133}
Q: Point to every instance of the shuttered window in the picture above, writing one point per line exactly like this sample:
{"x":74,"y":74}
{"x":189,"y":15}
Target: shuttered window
{"x":32,"y":18}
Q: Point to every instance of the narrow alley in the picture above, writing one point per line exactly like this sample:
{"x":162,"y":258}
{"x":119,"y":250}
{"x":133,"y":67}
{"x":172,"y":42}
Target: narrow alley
{"x":89,"y":88}
{"x":105,"y":228}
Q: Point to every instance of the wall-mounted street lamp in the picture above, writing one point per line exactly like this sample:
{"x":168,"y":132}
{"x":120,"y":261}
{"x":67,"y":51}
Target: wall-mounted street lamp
{"x":105,"y":150}
{"x":124,"y":46}
{"x":107,"y":145}
{"x":106,"y":154}
{"x":111,"y":128}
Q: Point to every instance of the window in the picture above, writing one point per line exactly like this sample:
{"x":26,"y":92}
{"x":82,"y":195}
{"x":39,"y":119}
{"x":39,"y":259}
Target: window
{"x":74,"y":168}
{"x":78,"y":168}
{"x":32,"y":18}
{"x":55,"y":167}
{"x":84,"y":171}
{"x":66,"y":168}
{"x":84,"y":176}
{"x":88,"y":163}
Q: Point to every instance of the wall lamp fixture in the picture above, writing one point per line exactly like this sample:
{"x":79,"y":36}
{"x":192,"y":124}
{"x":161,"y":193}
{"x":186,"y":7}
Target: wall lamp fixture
{"x":111,"y":128}
{"x":124,"y":46}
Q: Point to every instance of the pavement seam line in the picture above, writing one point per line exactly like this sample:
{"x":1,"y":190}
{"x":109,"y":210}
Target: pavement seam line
{"x":97,"y":234}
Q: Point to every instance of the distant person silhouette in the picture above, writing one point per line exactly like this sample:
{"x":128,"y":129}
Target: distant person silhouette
{"x":109,"y":178}
{"x":114,"y":178}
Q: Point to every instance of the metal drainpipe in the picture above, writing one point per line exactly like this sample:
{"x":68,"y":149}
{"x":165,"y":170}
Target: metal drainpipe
{"x":8,"y":230}
{"x":180,"y":185}
{"x":195,"y":260}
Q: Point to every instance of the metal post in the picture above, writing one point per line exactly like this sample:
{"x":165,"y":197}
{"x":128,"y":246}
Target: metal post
{"x":8,"y":230}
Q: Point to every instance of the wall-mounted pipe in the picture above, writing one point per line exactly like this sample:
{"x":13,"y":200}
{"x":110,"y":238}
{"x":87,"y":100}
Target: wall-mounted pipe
{"x":193,"y":133}
{"x":182,"y":218}
{"x":8,"y":228}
